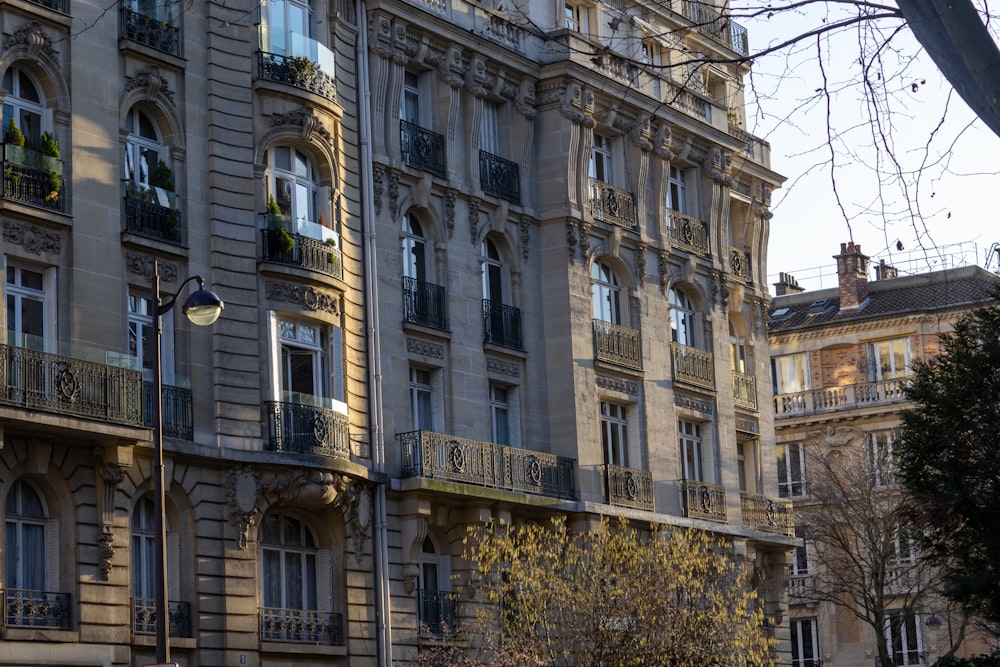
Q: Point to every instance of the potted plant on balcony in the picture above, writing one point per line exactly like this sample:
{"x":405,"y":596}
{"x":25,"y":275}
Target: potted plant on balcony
{"x":280,"y":240}
{"x":49,"y":148}
{"x":301,"y":70}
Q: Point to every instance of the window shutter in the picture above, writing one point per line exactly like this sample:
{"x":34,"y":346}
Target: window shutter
{"x":337,"y":363}
{"x":514,"y":416}
{"x":173,"y":566}
{"x":437,"y":399}
{"x":274,"y":335}
{"x":324,"y":594}
{"x":52,"y":555}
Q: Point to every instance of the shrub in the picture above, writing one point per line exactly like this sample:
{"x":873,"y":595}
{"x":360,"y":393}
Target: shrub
{"x":13,"y":135}
{"x":49,"y":146}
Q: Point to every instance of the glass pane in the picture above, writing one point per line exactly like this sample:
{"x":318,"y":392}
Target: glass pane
{"x":271,"y":578}
{"x":293,"y":580}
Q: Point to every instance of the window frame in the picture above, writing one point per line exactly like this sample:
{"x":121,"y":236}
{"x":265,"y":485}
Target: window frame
{"x":902,"y":630}
{"x":605,"y":294}
{"x":489,"y":128}
{"x":411,"y":98}
{"x":311,"y":597}
{"x":683,"y":323}
{"x":422,"y":398}
{"x":880,"y":456}
{"x":678,"y":198}
{"x":788,"y":487}
{"x":785,"y":372}
{"x":326,"y":354}
{"x":692,"y":446}
{"x":298,"y":185}
{"x":601,"y":164}
{"x":16,"y":292}
{"x":15,"y":575}
{"x":614,"y":418}
{"x":803,"y":557}
{"x":798,"y":643}
{"x":17,"y":105}
{"x":883,"y":359}
{"x":140,"y":143}
{"x":414,"y":247}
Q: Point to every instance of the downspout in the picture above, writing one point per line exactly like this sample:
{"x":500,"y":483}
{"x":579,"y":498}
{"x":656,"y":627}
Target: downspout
{"x":383,"y":623}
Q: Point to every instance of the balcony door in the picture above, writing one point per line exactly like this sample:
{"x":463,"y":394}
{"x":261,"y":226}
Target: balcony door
{"x":283,"y":22}
{"x":25,"y":541}
{"x":30,"y":315}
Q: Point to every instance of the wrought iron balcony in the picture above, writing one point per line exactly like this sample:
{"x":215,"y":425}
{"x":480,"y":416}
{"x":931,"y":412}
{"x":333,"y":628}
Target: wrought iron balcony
{"x":298,"y":71}
{"x":693,"y":366}
{"x":851,"y":396}
{"x":745,"y":391}
{"x":144,"y":617}
{"x":301,"y":626}
{"x":38,"y":609}
{"x":720,"y":27}
{"x":422,"y":148}
{"x":294,"y":427}
{"x":501,"y":324}
{"x":424,"y":303}
{"x":627,"y":487}
{"x":61,"y":6}
{"x":306,"y":252}
{"x":149,"y":31}
{"x":152,"y":212}
{"x":704,"y":501}
{"x":437,"y":612}
{"x":439,"y":456}
{"x":499,"y":177}
{"x":687,"y":233}
{"x":771,"y":515}
{"x":32,"y":178}
{"x":618,"y":345}
{"x":612,"y":204}
{"x":63,"y":385}
{"x":739,"y":265}
{"x":176,"y":410}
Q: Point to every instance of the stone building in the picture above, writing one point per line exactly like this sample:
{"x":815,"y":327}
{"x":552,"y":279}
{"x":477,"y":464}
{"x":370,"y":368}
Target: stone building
{"x":477,"y":261}
{"x":840,"y":359}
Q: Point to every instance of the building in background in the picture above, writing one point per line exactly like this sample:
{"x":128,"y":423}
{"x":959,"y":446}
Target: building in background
{"x":840,"y":359}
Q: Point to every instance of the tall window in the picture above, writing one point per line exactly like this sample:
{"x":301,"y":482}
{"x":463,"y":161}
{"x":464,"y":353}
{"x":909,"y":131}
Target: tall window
{"x":691,"y":450}
{"x":25,"y":557}
{"x":414,"y":260}
{"x":614,"y":433}
{"x":288,"y":563}
{"x":881,"y":463}
{"x":682,"y":323}
{"x":421,"y":399}
{"x":902,"y":636}
{"x":790,"y":373}
{"x":285,"y":22}
{"x":28,"y":316}
{"x":310,"y":362}
{"x":903,"y":550}
{"x":573,"y":17}
{"x":803,"y":557}
{"x":737,"y":350}
{"x":805,"y":643}
{"x":606,"y":294}
{"x":493,"y":275}
{"x":489,"y":131}
{"x":142,"y":148}
{"x":140,"y":336}
{"x":791,"y":470}
{"x":293,"y":184}
{"x":600,"y":159}
{"x":888,"y":359}
{"x":500,"y":422}
{"x":677,"y":198}
{"x":144,"y":549}
{"x":436,"y":610}
{"x":409,"y":107}
{"x":24,"y":104}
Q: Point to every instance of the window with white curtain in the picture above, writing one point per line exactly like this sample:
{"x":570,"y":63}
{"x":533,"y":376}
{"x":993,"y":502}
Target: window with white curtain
{"x":790,"y":373}
{"x":144,"y":549}
{"x":25,"y":539}
{"x":289,"y":554}
{"x":888,"y":359}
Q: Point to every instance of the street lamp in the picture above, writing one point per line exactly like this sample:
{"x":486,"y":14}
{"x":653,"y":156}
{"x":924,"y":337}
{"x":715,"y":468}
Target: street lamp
{"x":202,"y":308}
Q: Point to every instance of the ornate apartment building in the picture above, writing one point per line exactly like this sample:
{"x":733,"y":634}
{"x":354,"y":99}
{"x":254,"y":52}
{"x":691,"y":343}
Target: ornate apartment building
{"x":840,"y":359}
{"x":478,"y":260}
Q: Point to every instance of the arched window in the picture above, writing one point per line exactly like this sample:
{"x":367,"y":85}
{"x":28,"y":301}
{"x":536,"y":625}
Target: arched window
{"x":288,"y":564}
{"x":436,"y":603}
{"x":143,"y":151}
{"x":493,"y":274}
{"x":24,"y":104}
{"x":293,"y":184}
{"x":25,"y":558}
{"x":682,"y":322}
{"x":414,"y":261}
{"x":144,"y":549}
{"x":606,"y":294}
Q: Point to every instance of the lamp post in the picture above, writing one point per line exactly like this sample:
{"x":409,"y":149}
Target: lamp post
{"x":203,"y":308}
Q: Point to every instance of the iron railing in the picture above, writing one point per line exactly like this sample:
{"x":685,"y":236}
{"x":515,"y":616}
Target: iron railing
{"x":865,"y":394}
{"x":61,"y":6}
{"x":149,"y":31}
{"x":301,"y":626}
{"x":693,"y":366}
{"x":38,"y":609}
{"x":152,"y":212}
{"x":720,"y":27}
{"x":618,"y":345}
{"x":63,"y":385}
{"x":422,"y":148}
{"x":298,"y":71}
{"x":176,"y":410}
{"x":144,"y":617}
{"x":436,"y":455}
{"x":424,"y":303}
{"x":309,"y":253}
{"x":745,"y":391}
{"x":294,"y":427}
{"x":32,"y":178}
{"x":771,"y":515}
{"x":739,"y":265}
{"x":627,"y":487}
{"x":612,"y":204}
{"x":687,"y":233}
{"x":704,"y":501}
{"x":499,"y":177}
{"x":501,"y":324}
{"x":437,"y":612}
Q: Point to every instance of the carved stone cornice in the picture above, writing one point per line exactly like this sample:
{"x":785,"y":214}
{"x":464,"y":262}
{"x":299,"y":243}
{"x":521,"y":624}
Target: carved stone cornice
{"x":425,"y":349}
{"x":629,"y":387}
{"x":305,"y":118}
{"x":34,"y":38}
{"x":308,"y":297}
{"x":142,"y":265}
{"x":151,"y":81}
{"x":502,"y":367}
{"x":32,"y":238}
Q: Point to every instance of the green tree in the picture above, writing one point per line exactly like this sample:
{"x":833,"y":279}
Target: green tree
{"x":949,"y":461}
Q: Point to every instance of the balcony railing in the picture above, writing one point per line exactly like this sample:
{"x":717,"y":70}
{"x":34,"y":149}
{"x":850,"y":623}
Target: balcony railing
{"x":618,"y":345}
{"x":744,"y":391}
{"x":739,"y":265}
{"x":435,"y":455}
{"x":422,"y":148}
{"x":424,"y":303}
{"x":307,"y":429}
{"x":849,"y":396}
{"x":704,"y":501}
{"x":499,"y":177}
{"x":152,"y":212}
{"x":306,"y":252}
{"x":63,"y":385}
{"x":32,"y":178}
{"x":298,"y":71}
{"x":771,"y":515}
{"x":144,"y":617}
{"x":612,"y":204}
{"x":301,"y":626}
{"x":437,"y":612}
{"x":801,"y":588}
{"x":149,"y":31}
{"x":687,"y":233}
{"x":721,"y":28}
{"x":38,"y":609}
{"x":61,"y":6}
{"x":627,"y":487}
{"x":693,"y":366}
{"x":501,"y":324}
{"x":176,"y":410}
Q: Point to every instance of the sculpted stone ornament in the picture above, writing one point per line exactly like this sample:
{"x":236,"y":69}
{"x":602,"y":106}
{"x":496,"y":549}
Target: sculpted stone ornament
{"x":307,"y":120}
{"x":153,"y":83}
{"x":33,"y":239}
{"x":34,"y":38}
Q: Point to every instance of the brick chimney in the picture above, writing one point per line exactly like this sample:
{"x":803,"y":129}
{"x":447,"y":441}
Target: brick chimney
{"x":787,"y":285}
{"x":885,"y":271}
{"x":852,"y":274}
